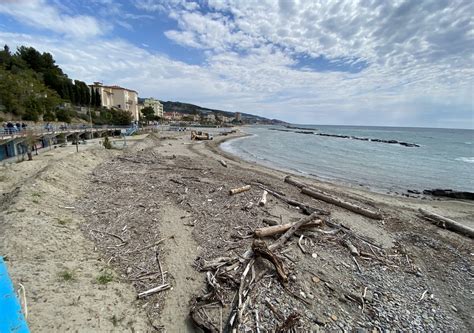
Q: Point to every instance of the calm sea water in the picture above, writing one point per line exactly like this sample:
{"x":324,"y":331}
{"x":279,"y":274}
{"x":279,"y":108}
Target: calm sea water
{"x":445,"y":158}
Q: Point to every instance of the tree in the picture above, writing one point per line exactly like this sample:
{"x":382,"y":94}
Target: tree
{"x":148,"y":114}
{"x":98,"y":100}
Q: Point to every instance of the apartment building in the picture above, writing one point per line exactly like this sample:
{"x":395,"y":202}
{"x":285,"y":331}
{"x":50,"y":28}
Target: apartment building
{"x":118,"y":97}
{"x":155,"y":104}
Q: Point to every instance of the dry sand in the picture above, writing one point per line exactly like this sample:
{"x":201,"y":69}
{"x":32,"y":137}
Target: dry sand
{"x":164,"y":187}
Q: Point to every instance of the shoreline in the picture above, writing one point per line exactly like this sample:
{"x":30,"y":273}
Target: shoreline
{"x":415,"y":193}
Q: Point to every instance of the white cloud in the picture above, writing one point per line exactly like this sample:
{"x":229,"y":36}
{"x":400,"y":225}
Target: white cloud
{"x":39,"y":14}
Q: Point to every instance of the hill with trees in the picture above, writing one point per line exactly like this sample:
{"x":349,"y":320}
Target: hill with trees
{"x":33,"y":87}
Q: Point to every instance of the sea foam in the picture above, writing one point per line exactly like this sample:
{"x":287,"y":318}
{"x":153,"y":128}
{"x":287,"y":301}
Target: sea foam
{"x":465,"y":159}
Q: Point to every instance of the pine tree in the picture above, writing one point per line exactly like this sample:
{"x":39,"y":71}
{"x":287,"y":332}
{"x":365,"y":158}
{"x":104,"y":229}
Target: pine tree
{"x":98,"y":100}
{"x":93,"y":97}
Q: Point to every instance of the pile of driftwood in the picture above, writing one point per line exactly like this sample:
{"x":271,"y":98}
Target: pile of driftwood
{"x":241,"y":273}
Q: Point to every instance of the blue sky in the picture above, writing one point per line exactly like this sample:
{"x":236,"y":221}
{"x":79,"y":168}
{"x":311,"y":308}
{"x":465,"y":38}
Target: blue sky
{"x":367,"y":62}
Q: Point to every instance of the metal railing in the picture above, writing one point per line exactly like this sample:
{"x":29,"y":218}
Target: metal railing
{"x":11,"y":133}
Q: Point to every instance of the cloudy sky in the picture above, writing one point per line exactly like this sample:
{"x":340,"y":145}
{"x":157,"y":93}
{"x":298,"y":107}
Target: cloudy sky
{"x":367,"y":62}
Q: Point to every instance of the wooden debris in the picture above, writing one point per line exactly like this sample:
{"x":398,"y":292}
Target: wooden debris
{"x":305,"y":209}
{"x":341,"y":203}
{"x":224,"y":164}
{"x":294,"y":182}
{"x":260,"y":249}
{"x":292,"y":230}
{"x":270,"y":221}
{"x":110,"y":234}
{"x":289,"y":323}
{"x":351,"y":247}
{"x":301,"y":245}
{"x":154,"y":290}
{"x":239,"y":189}
{"x":263,"y":200}
{"x":281,"y":228}
{"x":202,"y":321}
{"x":444,"y":222}
{"x":332,"y":200}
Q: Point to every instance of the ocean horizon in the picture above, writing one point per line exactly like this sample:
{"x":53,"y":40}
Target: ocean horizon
{"x":377,"y":157}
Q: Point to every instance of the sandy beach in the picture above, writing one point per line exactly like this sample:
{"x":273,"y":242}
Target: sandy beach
{"x":85,"y":233}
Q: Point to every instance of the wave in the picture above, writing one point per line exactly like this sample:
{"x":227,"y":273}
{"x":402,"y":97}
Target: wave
{"x":468,"y":143}
{"x":465,"y":159}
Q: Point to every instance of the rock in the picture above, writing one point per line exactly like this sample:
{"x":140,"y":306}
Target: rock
{"x":315,"y":279}
{"x":314,"y":255}
{"x":454,"y":308}
{"x":302,"y":294}
{"x":334,"y":317}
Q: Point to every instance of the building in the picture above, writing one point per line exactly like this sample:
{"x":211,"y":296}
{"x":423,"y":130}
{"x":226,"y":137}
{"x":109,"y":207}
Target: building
{"x":118,"y":97}
{"x":172,"y":116}
{"x":155,"y":105}
{"x":238,"y":116}
{"x":210,"y":117}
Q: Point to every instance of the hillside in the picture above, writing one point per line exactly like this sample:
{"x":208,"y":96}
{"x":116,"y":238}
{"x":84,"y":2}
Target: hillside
{"x":187,"y":108}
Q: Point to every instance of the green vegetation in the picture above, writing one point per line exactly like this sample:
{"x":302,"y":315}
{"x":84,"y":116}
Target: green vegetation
{"x":67,"y":275}
{"x":107,"y":144}
{"x":105,"y":278}
{"x":149,"y":114}
{"x":33,"y":87}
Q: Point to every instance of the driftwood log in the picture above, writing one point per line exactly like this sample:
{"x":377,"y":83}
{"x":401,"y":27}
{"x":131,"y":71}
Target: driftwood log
{"x":341,"y":203}
{"x":281,"y":228}
{"x":239,"y":189}
{"x":294,"y":182}
{"x":332,"y":200}
{"x":307,"y":210}
{"x":444,"y":222}
{"x":263,"y":200}
{"x":282,"y":240}
{"x":260,"y":249}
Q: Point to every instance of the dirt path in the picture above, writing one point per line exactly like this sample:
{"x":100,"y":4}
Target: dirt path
{"x":179,"y":257}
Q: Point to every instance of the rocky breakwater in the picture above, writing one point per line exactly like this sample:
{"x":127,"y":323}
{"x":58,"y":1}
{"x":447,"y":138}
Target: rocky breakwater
{"x":402,"y":143}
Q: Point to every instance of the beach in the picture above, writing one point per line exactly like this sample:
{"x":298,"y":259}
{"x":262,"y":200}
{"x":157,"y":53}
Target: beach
{"x":85,"y":233}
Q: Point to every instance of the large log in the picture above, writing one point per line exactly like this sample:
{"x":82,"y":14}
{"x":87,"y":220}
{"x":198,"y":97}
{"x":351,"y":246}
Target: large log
{"x":444,"y":222}
{"x":281,"y":228}
{"x":344,"y":204}
{"x":239,"y":189}
{"x":292,"y":181}
{"x":280,"y":241}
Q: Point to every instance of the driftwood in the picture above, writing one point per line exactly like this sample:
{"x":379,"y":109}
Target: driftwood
{"x":351,"y":247}
{"x":291,"y":231}
{"x":294,"y":182}
{"x":270,"y":221}
{"x":307,"y":210}
{"x":263,"y":200}
{"x":344,"y":204}
{"x":289,"y":323}
{"x":332,"y":200}
{"x":444,"y":222}
{"x":281,"y":228}
{"x":239,"y":189}
{"x":224,"y":164}
{"x":154,"y":290}
{"x":260,"y":249}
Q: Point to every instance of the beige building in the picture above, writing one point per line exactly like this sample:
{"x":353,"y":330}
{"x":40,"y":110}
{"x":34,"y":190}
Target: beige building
{"x":118,"y":97}
{"x":156,"y":105}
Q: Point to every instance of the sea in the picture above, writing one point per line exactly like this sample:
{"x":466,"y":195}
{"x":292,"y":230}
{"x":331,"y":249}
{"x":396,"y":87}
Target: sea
{"x":444,"y":158}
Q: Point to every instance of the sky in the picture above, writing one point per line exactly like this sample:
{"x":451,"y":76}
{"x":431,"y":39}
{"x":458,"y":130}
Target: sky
{"x":367,"y":62}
